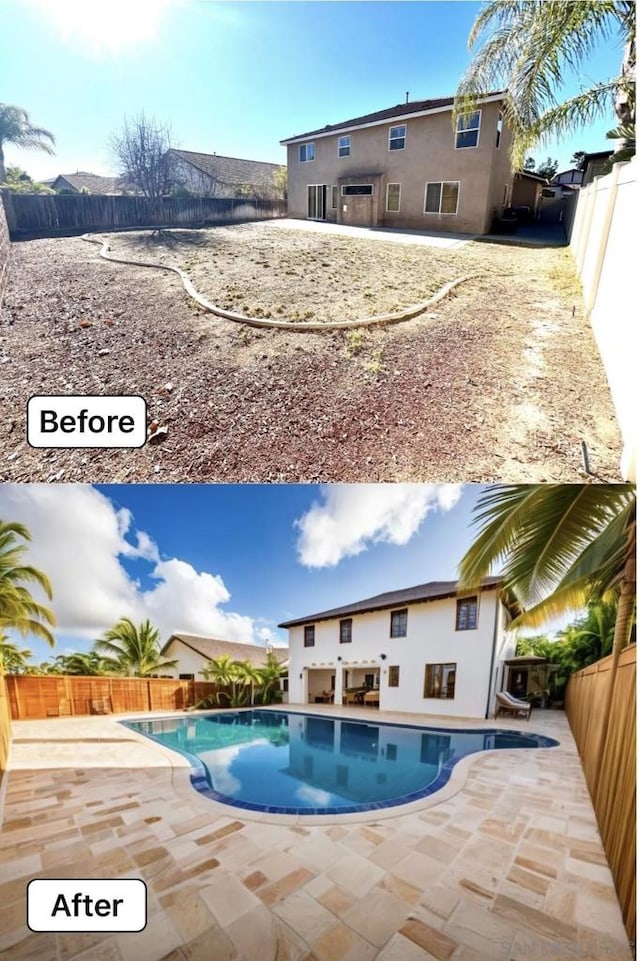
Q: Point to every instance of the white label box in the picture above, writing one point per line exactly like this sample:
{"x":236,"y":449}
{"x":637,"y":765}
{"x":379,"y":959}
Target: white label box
{"x":86,"y":905}
{"x":86,"y":421}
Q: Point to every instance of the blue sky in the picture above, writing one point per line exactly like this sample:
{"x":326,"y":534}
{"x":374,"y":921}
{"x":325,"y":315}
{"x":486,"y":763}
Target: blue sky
{"x":231,"y":561}
{"x":234,"y":78}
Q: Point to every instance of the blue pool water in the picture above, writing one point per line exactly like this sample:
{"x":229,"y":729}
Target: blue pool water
{"x":291,"y":763}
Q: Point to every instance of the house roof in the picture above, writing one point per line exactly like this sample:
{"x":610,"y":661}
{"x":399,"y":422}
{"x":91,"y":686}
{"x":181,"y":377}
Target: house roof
{"x":561,"y":173}
{"x":399,"y":112}
{"x":531,"y":176}
{"x":209,"y":647}
{"x":94,"y":183}
{"x":523,"y":659}
{"x":598,"y":155}
{"x":434,"y":590}
{"x":228,"y":170}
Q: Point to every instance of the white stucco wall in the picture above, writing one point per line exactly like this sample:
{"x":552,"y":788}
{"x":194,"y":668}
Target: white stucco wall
{"x":431,"y":639}
{"x":188,"y":661}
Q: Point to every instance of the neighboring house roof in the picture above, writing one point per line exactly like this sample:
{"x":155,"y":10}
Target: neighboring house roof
{"x":94,"y":183}
{"x":399,"y":112}
{"x":598,"y":155}
{"x":529,"y":175}
{"x":210,"y":647}
{"x":434,"y":590}
{"x":228,"y":170}
{"x":572,"y":176}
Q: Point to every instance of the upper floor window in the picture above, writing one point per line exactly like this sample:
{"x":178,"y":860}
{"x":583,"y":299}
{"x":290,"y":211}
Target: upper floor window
{"x":399,"y":623}
{"x":441,"y":198}
{"x":499,"y":130}
{"x":397,"y":137}
{"x":345,"y":630}
{"x":467,"y":614}
{"x":310,"y":635}
{"x":306,"y":152}
{"x":468,"y":130}
{"x":344,"y":146}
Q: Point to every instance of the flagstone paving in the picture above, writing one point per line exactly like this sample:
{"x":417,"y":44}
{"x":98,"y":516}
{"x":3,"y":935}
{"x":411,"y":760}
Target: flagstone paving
{"x":505,"y":864}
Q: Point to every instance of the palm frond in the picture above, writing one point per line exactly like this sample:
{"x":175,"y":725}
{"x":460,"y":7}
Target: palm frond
{"x":528,"y":49}
{"x":551,"y":539}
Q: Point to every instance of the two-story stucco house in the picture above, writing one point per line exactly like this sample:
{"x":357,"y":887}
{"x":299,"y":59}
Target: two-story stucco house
{"x":406,"y":166}
{"x":425,"y":649}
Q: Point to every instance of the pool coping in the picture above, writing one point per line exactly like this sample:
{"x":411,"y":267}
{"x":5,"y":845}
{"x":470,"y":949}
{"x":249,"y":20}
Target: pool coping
{"x":188,"y":774}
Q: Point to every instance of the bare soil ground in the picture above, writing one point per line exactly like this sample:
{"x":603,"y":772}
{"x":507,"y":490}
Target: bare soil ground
{"x":502,"y":381}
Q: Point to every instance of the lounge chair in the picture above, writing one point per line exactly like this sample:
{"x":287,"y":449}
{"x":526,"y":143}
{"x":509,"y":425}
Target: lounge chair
{"x":372,"y":697}
{"x":508,"y":704}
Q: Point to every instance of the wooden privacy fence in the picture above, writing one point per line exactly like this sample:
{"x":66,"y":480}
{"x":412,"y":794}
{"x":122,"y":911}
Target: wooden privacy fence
{"x":34,"y":696}
{"x":612,"y":785}
{"x":5,"y":728}
{"x":48,"y":214}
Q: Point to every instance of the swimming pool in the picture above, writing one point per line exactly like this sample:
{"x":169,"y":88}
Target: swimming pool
{"x":292,"y":763}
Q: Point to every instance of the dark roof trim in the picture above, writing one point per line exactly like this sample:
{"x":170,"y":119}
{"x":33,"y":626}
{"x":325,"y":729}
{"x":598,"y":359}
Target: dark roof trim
{"x":532,"y":176}
{"x":434,"y":590}
{"x":597,"y":155}
{"x":402,"y":111}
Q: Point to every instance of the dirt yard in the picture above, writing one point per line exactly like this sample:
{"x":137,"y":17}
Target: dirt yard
{"x":501,"y":381}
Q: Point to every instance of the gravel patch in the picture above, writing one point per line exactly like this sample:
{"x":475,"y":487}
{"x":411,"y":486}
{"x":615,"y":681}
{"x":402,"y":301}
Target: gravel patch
{"x":502,"y":381}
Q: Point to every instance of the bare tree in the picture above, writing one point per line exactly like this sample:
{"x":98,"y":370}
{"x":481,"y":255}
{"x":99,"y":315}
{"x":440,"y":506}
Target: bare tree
{"x":141,"y":148}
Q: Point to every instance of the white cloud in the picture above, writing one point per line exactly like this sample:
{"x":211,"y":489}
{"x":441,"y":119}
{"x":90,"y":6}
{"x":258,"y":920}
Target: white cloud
{"x":188,"y":601}
{"x":79,"y":538}
{"x":352,"y":517}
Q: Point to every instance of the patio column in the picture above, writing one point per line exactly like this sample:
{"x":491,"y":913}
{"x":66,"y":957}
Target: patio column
{"x":337,"y":696}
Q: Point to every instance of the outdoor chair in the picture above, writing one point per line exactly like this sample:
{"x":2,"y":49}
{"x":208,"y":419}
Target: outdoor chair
{"x":508,"y":704}
{"x":372,"y":697}
{"x":100,"y":705}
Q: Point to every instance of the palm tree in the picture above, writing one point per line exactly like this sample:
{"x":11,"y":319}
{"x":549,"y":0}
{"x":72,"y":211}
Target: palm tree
{"x":90,"y":664}
{"x":18,"y":609}
{"x":562,"y":547}
{"x":271,"y":674}
{"x":250,"y":676}
{"x":528,"y":49}
{"x":130,"y":650}
{"x":539,"y":646}
{"x":13,"y":659}
{"x":16,"y":128}
{"x":229,"y":676}
{"x":595,"y":630}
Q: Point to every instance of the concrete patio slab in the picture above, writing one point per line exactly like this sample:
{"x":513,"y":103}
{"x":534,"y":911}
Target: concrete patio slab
{"x":505,"y":865}
{"x":391,"y":235}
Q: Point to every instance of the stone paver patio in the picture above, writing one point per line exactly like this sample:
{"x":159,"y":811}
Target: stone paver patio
{"x":505,"y":864}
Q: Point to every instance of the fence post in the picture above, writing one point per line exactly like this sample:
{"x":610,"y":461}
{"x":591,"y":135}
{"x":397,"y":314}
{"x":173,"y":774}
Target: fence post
{"x":585,"y":226}
{"x":67,"y":691}
{"x":591,"y":296}
{"x":14,"y":685}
